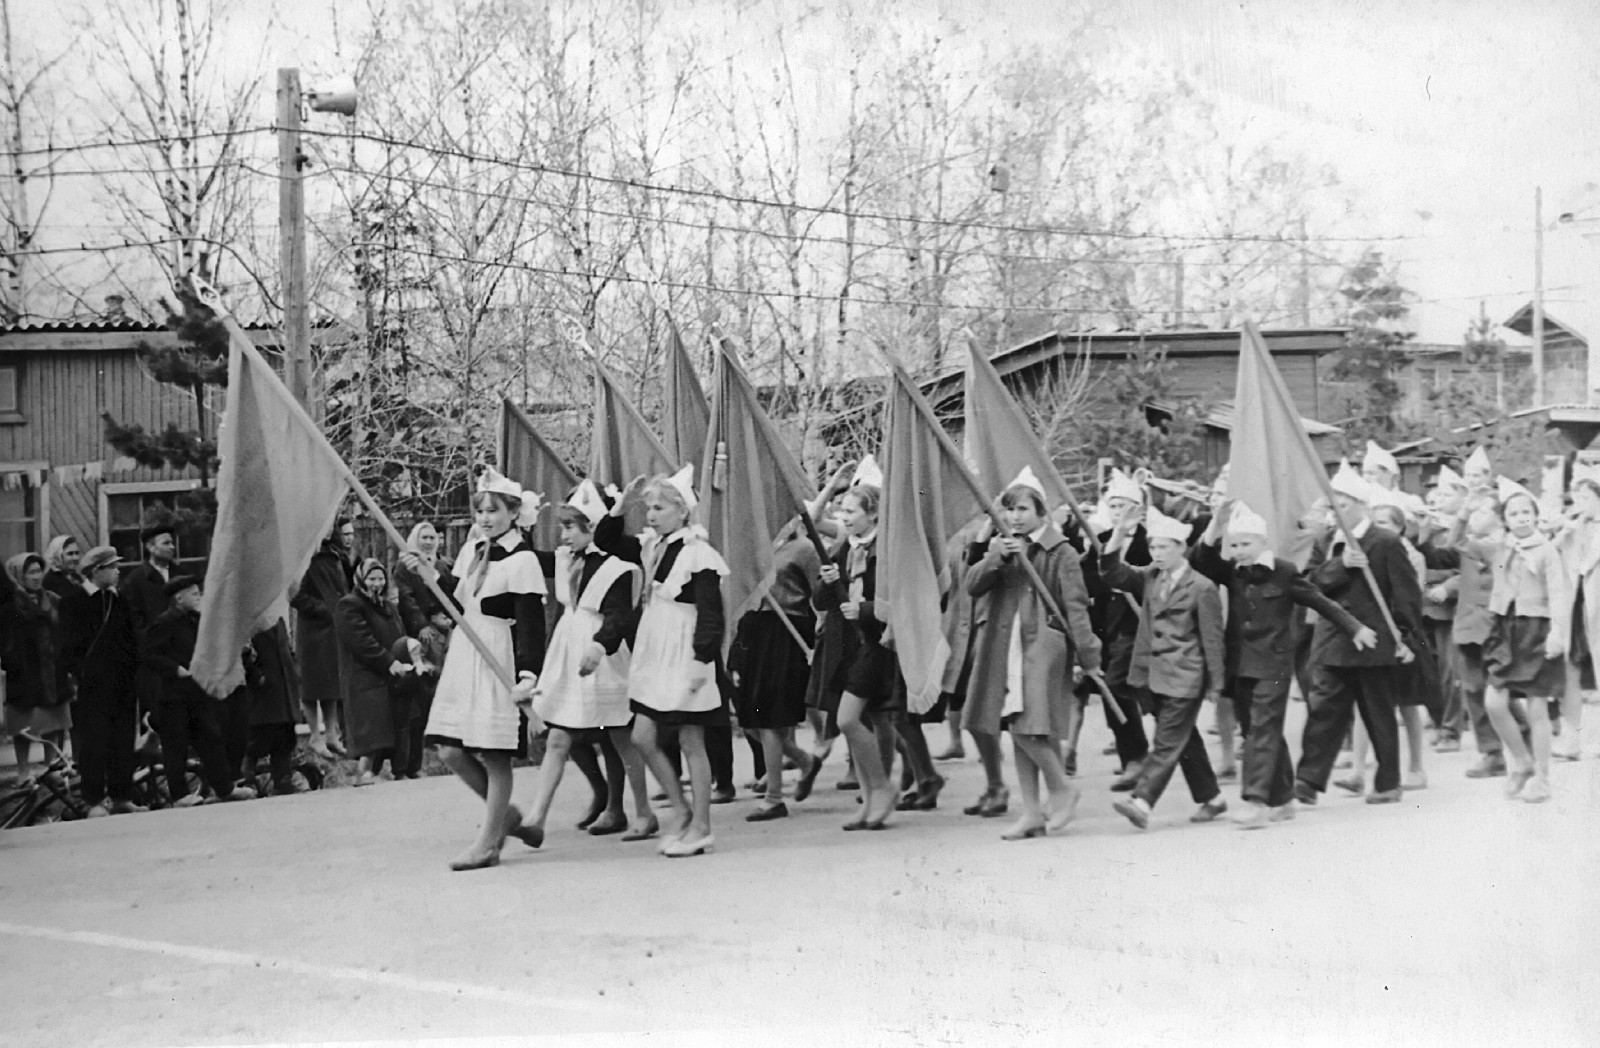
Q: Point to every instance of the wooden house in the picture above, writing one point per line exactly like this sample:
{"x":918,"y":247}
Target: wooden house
{"x":1203,"y":364}
{"x":58,"y":476}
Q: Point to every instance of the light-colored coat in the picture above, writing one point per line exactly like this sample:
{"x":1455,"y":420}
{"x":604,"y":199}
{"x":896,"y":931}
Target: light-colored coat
{"x":1001,"y":591}
{"x":1580,"y":552}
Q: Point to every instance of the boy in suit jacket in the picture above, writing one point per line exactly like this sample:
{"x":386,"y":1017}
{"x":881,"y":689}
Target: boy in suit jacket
{"x":1264,"y":594}
{"x":1178,"y":659}
{"x":1345,"y":676}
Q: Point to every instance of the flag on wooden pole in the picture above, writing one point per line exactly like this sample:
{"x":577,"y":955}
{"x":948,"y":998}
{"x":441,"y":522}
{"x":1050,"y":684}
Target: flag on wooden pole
{"x":688,"y":413}
{"x":926,"y":498}
{"x":623,"y":444}
{"x":998,"y":437}
{"x":279,"y":487}
{"x":1272,"y":467}
{"x":528,"y":460}
{"x":751,"y":485}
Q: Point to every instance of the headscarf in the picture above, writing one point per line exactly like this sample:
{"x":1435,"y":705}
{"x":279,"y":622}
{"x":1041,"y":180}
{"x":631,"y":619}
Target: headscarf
{"x":55,"y":556}
{"x":366,"y":568}
{"x":16,"y":567}
{"x":411,"y":543}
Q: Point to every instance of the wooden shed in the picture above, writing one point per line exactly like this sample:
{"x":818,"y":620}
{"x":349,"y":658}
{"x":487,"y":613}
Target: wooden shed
{"x":58,"y":476}
{"x":1203,"y":364}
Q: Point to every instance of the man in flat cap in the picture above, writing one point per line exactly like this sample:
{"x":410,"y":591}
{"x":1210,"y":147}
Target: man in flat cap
{"x":100,"y":651}
{"x":143,"y":589}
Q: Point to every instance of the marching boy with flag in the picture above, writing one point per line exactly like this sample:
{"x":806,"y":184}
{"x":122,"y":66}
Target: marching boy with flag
{"x":1263,"y":592}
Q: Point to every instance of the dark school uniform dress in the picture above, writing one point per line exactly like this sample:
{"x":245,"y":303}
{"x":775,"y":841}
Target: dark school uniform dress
{"x":864,"y":668}
{"x":770,"y":670}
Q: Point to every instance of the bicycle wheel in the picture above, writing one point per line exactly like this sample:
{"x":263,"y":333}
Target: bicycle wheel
{"x":17,"y":809}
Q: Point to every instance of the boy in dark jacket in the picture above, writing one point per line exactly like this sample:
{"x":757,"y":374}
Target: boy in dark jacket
{"x":187,"y":714}
{"x":1264,"y":592}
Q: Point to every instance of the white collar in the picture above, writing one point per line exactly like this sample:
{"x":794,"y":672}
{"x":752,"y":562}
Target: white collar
{"x":1034,"y":538}
{"x":509,"y":539}
{"x":677,"y":536}
{"x":1266,"y":560}
{"x":1177,"y":573}
{"x":863,"y":540}
{"x":1533,"y":541}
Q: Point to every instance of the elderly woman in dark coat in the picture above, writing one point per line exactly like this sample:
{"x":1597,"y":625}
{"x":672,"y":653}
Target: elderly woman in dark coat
{"x":37,"y":688}
{"x":367,"y":622}
{"x":327,"y":579}
{"x":61,"y":575}
{"x":1021,"y":659}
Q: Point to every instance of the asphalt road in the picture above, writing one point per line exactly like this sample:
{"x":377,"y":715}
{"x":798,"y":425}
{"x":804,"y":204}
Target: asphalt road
{"x":1455,"y":918}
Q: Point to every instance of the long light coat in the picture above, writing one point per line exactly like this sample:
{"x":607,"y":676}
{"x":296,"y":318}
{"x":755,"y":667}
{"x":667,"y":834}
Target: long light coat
{"x":1000,"y":590}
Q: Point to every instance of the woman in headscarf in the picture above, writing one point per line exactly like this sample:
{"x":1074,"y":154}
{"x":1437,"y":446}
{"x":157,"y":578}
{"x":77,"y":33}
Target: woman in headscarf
{"x":61,"y":575}
{"x":418,"y":605}
{"x":38,"y":692}
{"x":377,"y":718}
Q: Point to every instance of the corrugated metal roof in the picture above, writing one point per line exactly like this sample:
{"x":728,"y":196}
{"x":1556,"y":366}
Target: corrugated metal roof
{"x":77,"y":327}
{"x":1221,"y":417}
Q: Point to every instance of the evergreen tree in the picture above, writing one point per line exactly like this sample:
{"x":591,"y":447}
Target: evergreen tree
{"x":196,"y":364}
{"x":1376,"y":313}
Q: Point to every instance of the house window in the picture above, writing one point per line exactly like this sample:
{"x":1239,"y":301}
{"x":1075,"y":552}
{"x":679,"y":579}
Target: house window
{"x":10,"y":394}
{"x":126,"y":508}
{"x":19,"y":508}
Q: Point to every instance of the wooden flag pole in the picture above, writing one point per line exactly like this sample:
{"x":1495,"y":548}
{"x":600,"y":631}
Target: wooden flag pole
{"x":1032,"y":573}
{"x":211,"y":299}
{"x":1366,"y":569}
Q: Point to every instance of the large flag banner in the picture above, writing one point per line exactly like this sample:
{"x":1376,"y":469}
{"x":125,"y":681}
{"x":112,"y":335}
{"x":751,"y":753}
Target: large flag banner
{"x":999,"y":439}
{"x":279,"y":487}
{"x":688,"y":414}
{"x":528,"y":460}
{"x":1272,"y":467}
{"x":925,"y":500}
{"x":751,"y":485}
{"x":623,"y":444}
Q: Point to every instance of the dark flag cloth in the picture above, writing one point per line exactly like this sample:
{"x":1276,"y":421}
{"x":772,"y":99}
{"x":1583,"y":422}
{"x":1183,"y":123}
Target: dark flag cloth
{"x":1272,"y":467}
{"x":528,"y":460}
{"x":688,"y":415}
{"x":279,"y":487}
{"x":999,"y":439}
{"x":925,"y":500}
{"x":751,"y":485}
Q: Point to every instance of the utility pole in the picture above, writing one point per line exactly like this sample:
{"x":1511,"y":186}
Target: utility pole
{"x":1538,"y":297}
{"x":292,"y":239}
{"x":1177,"y":292}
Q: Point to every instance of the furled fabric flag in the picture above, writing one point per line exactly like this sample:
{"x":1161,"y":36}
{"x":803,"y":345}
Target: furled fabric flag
{"x":1272,"y":467}
{"x":528,"y":460}
{"x":688,"y":416}
{"x":279,"y":487}
{"x":752,"y":485}
{"x":999,"y":440}
{"x":623,"y":445}
{"x":925,"y":500}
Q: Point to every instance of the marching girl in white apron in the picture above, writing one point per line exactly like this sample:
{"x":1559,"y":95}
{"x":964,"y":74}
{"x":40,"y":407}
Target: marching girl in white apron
{"x":584,"y":688}
{"x":475,"y":720}
{"x":677,"y":652}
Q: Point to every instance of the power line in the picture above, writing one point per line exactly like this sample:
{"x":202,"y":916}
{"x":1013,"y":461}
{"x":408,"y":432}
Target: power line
{"x":125,"y":143}
{"x":680,"y":285}
{"x":707,"y":226}
{"x":817,"y":209}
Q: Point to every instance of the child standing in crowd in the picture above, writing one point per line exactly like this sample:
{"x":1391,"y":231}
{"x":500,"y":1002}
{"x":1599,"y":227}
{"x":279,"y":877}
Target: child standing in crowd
{"x":475,"y":721}
{"x":584,"y":690}
{"x":1022,"y":659}
{"x":674,"y":678}
{"x":1532,"y":605}
{"x":1177,"y":658}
